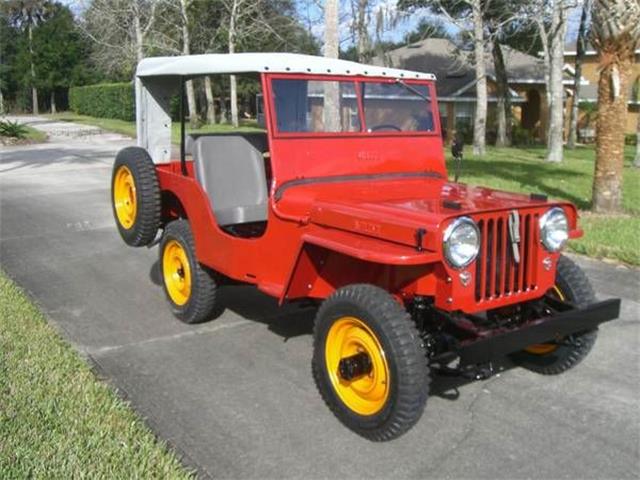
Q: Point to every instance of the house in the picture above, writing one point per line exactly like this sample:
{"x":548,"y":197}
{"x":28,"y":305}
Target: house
{"x":589,"y":93}
{"x":456,"y":84}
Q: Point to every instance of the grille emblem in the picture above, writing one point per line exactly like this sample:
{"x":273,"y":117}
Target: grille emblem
{"x":514,"y":234}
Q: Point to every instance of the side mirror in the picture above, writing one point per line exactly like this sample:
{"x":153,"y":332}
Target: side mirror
{"x":457,"y":146}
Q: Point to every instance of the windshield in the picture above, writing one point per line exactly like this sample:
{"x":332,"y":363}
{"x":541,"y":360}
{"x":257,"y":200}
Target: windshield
{"x":351,"y":106}
{"x":397,"y":107}
{"x":316,"y":106}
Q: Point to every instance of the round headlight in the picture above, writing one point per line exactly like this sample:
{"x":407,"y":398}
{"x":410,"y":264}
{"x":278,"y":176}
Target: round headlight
{"x":461,"y":242}
{"x":554,"y":229}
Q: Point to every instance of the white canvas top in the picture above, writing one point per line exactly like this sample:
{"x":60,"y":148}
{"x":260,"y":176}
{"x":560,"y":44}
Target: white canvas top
{"x":215,"y":63}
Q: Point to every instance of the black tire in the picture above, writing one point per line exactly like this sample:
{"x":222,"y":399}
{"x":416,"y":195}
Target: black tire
{"x":398,"y":337}
{"x":202,"y":299}
{"x":574,"y":286}
{"x":146,"y":221}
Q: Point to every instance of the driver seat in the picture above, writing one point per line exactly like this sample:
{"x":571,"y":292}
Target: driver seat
{"x":230,"y":169}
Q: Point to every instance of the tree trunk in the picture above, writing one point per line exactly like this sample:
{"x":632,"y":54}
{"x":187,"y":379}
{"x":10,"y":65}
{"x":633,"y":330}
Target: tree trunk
{"x":582,"y":34}
{"x":636,"y":161}
{"x":138,"y":34}
{"x":53,"y":101}
{"x":544,"y":38}
{"x":361,"y":31}
{"x":480,"y":121}
{"x":186,"y":50}
{"x":556,"y":110}
{"x":233,"y":91}
{"x":331,"y":111}
{"x":331,"y":41}
{"x":211,"y":106}
{"x":34,"y":89}
{"x":1,"y":103}
{"x":224,"y":113}
{"x":612,"y":112}
{"x":233,"y":83}
{"x":503,"y":107}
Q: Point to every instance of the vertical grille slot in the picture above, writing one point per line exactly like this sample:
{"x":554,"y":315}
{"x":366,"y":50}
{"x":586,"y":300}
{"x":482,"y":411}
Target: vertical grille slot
{"x":497,"y":273}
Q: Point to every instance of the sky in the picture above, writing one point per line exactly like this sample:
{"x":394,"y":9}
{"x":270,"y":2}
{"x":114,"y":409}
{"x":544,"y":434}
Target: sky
{"x":311,"y":13}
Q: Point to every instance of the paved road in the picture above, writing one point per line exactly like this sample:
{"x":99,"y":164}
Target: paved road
{"x":235,"y":396}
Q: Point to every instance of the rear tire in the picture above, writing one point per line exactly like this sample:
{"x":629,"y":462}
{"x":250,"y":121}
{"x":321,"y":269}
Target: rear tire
{"x":554,"y":358}
{"x":384,"y":401}
{"x":135,"y":197}
{"x":191,"y":289}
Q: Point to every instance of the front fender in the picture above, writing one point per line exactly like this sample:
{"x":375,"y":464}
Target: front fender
{"x":328,"y":259}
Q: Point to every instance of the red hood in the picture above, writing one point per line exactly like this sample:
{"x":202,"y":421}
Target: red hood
{"x":395,"y":209}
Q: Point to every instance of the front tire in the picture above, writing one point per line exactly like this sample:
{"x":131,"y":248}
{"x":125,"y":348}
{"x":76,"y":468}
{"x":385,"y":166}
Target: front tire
{"x":553,"y":358}
{"x":191,"y":289}
{"x":368,"y":362}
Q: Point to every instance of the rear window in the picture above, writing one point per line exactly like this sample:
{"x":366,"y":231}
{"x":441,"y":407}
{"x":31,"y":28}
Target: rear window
{"x":315,"y":106}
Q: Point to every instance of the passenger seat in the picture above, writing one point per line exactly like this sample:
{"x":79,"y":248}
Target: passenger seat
{"x":230,"y":168}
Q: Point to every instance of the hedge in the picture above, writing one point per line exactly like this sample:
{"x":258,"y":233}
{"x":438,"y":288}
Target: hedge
{"x":105,"y":100}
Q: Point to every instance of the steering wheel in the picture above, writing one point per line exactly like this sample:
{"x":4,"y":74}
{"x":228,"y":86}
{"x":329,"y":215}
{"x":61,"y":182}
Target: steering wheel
{"x":385,"y":127}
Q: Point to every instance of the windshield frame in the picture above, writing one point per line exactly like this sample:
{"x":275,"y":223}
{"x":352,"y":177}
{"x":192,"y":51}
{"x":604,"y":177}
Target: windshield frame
{"x":357,"y":80}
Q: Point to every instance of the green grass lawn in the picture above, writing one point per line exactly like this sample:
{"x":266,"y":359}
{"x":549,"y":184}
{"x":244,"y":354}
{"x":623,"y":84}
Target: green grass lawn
{"x":56,"y":419}
{"x":35,"y":135}
{"x":129,"y":128}
{"x":524,"y":170}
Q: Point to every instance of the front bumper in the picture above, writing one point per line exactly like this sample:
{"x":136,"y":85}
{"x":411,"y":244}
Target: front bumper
{"x":545,"y":329}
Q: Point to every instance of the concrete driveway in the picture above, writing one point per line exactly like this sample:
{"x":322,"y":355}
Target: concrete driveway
{"x":235,"y":396}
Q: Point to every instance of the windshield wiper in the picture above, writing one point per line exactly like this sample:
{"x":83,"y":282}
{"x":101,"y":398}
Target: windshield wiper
{"x":413,"y":90}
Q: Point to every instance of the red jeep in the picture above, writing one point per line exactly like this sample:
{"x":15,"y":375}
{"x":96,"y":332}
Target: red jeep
{"x":345,"y":201}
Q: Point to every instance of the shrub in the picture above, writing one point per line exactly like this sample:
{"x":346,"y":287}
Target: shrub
{"x":521,"y":136}
{"x":12,"y":129}
{"x":630,"y":139}
{"x":105,"y":100}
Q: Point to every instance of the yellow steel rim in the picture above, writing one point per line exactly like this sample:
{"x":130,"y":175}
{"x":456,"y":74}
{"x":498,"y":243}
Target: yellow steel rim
{"x":176,"y":272}
{"x":367,"y":394}
{"x":546,"y":348}
{"x":124,"y":197}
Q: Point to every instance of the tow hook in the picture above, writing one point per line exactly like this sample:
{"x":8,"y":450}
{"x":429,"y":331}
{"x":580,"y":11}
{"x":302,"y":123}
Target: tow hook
{"x":481,"y":371}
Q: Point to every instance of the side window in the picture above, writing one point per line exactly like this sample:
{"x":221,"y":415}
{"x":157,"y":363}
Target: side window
{"x":260,"y":110}
{"x":315,"y":106}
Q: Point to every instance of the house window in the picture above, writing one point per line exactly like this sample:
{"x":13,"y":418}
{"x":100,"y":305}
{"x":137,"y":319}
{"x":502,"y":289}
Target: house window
{"x":464,"y":113}
{"x":442,"y":108}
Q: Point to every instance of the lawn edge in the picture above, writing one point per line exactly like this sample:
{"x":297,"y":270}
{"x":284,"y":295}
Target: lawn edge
{"x":100,"y":375}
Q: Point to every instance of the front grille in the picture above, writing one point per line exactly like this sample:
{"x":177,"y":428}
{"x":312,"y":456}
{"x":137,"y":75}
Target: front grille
{"x":497,"y":273}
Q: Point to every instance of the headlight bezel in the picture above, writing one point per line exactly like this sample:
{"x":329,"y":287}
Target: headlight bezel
{"x":446,"y":245}
{"x":544,"y":223}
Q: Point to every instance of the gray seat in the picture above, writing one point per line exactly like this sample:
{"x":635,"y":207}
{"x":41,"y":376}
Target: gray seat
{"x":230,"y":168}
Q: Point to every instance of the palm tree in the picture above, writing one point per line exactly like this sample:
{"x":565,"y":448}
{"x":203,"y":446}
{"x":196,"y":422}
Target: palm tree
{"x":615,"y":33}
{"x":26,"y":15}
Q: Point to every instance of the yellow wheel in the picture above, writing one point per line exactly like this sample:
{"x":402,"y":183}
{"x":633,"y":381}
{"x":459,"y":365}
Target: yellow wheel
{"x":357,"y":366}
{"x":553,"y":358}
{"x":124,"y":196}
{"x":546,"y":348}
{"x":176,"y":272}
{"x":190,"y":288}
{"x":135,"y":197}
{"x":368,"y":362}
